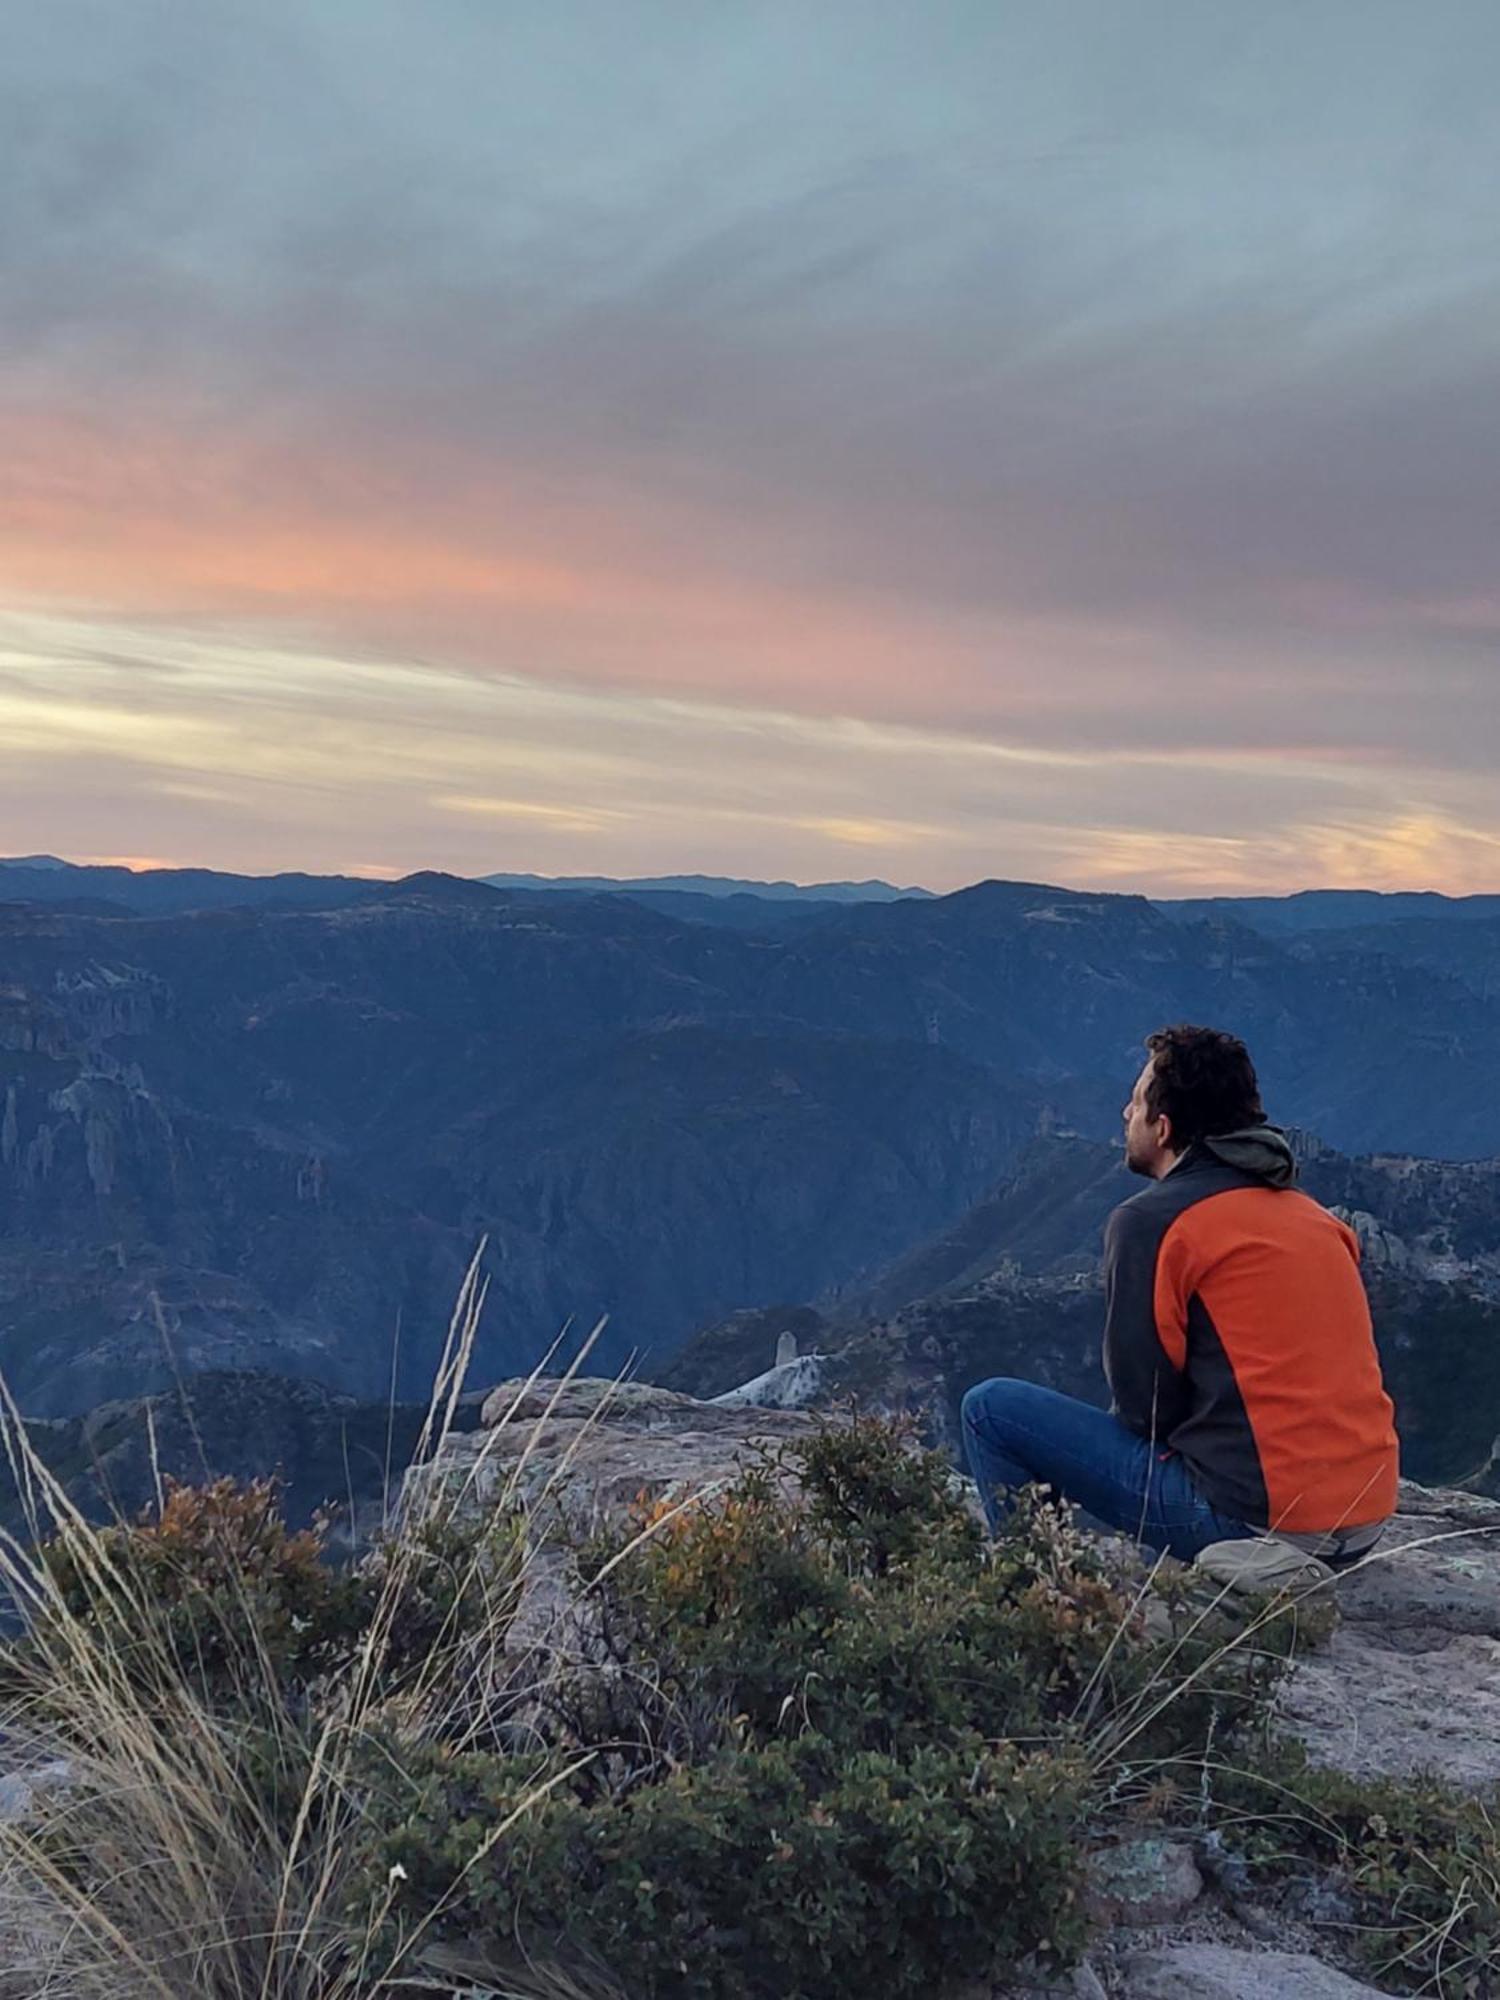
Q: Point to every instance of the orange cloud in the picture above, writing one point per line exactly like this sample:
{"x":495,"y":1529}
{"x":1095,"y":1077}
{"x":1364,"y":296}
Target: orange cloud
{"x":152,"y":521}
{"x":138,"y":862}
{"x":103,"y":527}
{"x":1411,"y":850}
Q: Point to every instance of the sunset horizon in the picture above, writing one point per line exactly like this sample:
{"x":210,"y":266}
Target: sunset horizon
{"x":1000,"y":441}
{"x":853,"y":878}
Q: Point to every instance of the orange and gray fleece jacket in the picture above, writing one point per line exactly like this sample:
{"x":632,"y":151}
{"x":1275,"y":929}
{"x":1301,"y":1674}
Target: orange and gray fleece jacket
{"x":1237,"y":1333}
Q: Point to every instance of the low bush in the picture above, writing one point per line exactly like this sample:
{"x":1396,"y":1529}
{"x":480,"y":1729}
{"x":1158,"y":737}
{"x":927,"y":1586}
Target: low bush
{"x":218,"y":1567}
{"x":214,"y":1582}
{"x":816,"y":1740}
{"x":783,"y":1868}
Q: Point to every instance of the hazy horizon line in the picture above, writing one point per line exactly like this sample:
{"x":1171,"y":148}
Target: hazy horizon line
{"x":142,"y":866}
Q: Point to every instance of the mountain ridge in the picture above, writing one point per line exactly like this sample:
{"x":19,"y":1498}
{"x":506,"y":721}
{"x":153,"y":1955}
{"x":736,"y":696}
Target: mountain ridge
{"x":1293,"y":912}
{"x":278,"y":1132}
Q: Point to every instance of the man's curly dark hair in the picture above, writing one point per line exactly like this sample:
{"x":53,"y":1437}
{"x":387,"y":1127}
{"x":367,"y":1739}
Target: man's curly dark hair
{"x":1204,"y":1081}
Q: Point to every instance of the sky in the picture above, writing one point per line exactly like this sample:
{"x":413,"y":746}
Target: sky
{"x":1054,"y":439}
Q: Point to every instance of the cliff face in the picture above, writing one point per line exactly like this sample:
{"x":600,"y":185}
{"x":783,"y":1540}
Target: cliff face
{"x":265,"y":1138}
{"x":1430,"y":1221}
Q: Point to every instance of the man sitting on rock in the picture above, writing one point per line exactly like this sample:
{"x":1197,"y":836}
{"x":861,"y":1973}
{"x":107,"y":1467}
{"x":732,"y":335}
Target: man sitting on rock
{"x":1249,"y":1425}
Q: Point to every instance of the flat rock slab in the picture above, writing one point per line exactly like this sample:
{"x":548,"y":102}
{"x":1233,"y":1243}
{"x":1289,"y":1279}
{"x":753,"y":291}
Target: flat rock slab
{"x":1435,"y":1575}
{"x":628,"y":1406}
{"x":1410,"y":1681}
{"x":594,"y":1447}
{"x":1220,"y":1972}
{"x":1366,"y":1708}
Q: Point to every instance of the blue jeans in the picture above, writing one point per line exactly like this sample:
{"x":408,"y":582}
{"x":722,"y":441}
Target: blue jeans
{"x":1016,"y":1433}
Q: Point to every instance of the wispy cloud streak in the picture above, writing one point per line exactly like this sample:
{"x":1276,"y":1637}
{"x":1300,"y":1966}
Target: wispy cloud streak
{"x":275,"y":758}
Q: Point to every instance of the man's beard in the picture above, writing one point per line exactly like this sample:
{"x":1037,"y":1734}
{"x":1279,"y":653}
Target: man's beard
{"x":1136,"y":1164}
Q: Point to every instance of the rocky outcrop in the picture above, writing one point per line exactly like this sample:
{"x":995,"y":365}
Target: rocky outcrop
{"x":593,"y":1447}
{"x":582,"y":1452}
{"x":1409,"y":1682}
{"x":722,"y":1357}
{"x":1380,"y":1248}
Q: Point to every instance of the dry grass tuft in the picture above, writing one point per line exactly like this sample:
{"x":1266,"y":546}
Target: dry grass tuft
{"x":201,"y":1842}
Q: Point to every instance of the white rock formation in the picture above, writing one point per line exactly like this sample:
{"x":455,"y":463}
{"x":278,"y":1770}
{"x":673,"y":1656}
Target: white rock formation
{"x":790,"y":1385}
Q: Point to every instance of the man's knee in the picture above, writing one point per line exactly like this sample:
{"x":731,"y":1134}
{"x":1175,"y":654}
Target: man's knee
{"x":990,"y":1406}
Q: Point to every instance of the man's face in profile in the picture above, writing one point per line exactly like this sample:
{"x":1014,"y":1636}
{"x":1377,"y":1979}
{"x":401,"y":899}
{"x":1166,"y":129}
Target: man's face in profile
{"x":1147,"y":1150}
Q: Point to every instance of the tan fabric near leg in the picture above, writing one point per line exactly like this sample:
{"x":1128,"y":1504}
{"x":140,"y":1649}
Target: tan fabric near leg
{"x":1263,"y":1565}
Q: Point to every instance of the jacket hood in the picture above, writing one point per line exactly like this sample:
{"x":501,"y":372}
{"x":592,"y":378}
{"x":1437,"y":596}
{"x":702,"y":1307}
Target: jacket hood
{"x":1261,"y":1150}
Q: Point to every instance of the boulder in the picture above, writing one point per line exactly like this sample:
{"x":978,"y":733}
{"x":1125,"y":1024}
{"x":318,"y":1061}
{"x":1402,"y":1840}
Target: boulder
{"x":1221,"y":1972}
{"x":582,"y":1451}
{"x":633,"y":1406}
{"x":1147,"y":1881}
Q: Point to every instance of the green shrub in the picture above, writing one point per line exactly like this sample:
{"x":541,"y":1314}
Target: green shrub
{"x":875,"y":1607}
{"x":821,"y":1740}
{"x":219,"y":1572}
{"x":214,"y":1590}
{"x":789,"y":1869}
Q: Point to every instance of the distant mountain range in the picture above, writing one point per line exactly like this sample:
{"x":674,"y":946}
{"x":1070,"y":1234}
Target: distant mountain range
{"x":1336,"y":909}
{"x":261,"y":1124}
{"x":46,"y":878}
{"x":42,"y":878}
{"x":710,"y":885}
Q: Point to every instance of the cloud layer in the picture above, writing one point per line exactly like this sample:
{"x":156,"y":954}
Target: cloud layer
{"x":1047,"y":440}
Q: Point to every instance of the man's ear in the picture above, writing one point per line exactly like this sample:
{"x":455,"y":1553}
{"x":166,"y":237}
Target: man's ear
{"x":1164,"y":1134}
